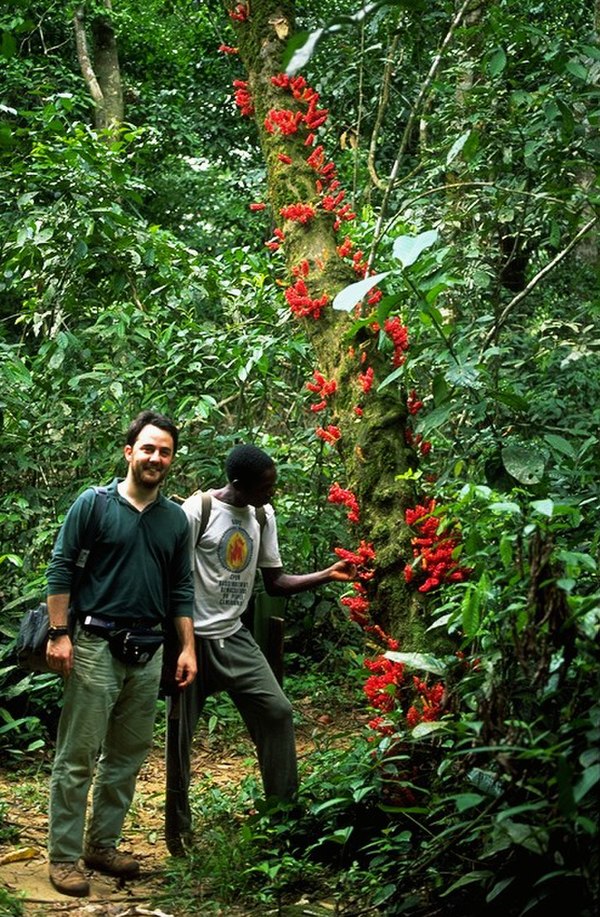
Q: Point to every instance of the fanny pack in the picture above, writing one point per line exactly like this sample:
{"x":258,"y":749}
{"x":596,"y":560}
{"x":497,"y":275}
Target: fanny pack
{"x":134,"y":647}
{"x":130,"y":645}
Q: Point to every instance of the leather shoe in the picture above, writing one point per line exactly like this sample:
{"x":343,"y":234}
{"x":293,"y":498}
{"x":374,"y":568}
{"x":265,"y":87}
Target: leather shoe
{"x":68,"y":879}
{"x":109,"y":860}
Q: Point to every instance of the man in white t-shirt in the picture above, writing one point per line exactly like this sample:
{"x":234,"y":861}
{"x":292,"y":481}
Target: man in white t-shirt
{"x":226,"y":548}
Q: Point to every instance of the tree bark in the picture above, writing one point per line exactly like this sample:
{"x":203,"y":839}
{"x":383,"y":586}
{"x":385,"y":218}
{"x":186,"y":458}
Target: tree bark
{"x":103,"y":76}
{"x":373,"y":446}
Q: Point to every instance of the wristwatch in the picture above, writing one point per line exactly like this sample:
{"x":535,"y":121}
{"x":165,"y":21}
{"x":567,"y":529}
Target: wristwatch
{"x":55,"y":632}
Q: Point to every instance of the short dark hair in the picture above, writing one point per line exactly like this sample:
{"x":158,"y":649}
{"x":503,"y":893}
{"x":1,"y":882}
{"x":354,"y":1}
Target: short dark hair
{"x":247,"y":463}
{"x":157,"y":420}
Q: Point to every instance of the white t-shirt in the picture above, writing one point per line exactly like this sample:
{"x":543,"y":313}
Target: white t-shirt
{"x":225,"y":560}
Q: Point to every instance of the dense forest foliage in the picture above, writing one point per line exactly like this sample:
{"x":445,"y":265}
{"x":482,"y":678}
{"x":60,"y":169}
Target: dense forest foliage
{"x":364,"y":238}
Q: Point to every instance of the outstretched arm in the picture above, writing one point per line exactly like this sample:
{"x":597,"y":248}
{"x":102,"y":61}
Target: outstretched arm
{"x":277,"y":582}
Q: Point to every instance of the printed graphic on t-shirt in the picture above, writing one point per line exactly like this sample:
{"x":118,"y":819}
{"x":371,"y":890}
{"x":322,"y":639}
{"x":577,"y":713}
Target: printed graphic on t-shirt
{"x":235,"y":549}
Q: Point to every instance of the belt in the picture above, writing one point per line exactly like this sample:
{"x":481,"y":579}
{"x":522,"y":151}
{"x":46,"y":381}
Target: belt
{"x":98,"y":623}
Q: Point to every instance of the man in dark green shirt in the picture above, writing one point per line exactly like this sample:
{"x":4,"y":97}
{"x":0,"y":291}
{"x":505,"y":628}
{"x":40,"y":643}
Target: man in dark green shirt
{"x":138,"y":577}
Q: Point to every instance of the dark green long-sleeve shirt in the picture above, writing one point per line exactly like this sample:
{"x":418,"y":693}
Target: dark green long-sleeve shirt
{"x":139,"y":566}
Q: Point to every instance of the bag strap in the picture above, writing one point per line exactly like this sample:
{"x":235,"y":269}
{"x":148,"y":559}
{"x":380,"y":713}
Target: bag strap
{"x":206,"y":504}
{"x":89,"y":535}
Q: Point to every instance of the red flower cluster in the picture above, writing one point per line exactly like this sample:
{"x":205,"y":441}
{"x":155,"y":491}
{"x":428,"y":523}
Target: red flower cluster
{"x":345,"y":248}
{"x":227,"y":49}
{"x":359,"y":607}
{"x":297,"y":86}
{"x":365,"y":380}
{"x":413,"y":404}
{"x":381,"y":688}
{"x":329,"y":434}
{"x":240,"y":12}
{"x":435,"y":563}
{"x":430,"y":703}
{"x":398,"y":333}
{"x":338,"y":495}
{"x":322,"y":388}
{"x":423,"y":445}
{"x":364,"y":554}
{"x":243,"y":98}
{"x":287,"y":121}
{"x":283,"y":120}
{"x":303,"y":305}
{"x":300,"y":213}
{"x":284,"y":158}
{"x":382,"y":726}
{"x":257,"y":206}
{"x":275,"y":242}
{"x":325,"y":170}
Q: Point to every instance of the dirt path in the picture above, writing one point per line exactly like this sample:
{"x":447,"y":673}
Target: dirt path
{"x":24,"y":864}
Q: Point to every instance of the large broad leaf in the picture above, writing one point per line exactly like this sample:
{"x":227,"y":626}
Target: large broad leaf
{"x":525,"y":465}
{"x":424,"y":661}
{"x":302,"y":45}
{"x":352,"y":295}
{"x":408,"y":248}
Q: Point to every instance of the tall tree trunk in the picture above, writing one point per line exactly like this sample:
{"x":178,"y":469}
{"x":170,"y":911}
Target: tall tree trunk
{"x":103,"y":75}
{"x":373,"y":445}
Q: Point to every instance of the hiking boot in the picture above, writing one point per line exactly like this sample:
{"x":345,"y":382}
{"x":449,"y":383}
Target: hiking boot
{"x":68,"y":879}
{"x":109,"y":860}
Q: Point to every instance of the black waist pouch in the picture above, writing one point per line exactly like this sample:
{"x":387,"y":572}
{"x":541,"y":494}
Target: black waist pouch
{"x":134,"y":647}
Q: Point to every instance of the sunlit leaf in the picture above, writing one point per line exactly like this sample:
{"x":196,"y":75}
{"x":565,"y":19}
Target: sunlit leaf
{"x":408,"y":248}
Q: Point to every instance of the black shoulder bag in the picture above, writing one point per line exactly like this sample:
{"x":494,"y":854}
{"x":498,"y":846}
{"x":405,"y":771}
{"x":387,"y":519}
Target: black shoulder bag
{"x":32,"y":639}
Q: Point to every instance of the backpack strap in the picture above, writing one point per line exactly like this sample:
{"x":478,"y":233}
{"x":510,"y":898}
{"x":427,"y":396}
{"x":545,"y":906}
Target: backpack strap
{"x":89,"y":535}
{"x":261,"y":517}
{"x":206,"y":505}
{"x":205,"y":508}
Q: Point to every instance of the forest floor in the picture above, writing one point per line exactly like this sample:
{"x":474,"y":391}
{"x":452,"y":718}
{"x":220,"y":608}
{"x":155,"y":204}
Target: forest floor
{"x":23,"y":860}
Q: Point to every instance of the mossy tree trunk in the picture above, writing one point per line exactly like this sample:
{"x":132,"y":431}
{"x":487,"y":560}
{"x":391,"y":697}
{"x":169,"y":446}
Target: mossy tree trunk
{"x":101,"y":70}
{"x":373,"y":446}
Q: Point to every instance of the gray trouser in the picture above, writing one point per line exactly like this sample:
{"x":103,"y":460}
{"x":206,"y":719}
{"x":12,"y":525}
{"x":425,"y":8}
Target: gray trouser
{"x":236,"y":665}
{"x":108,"y":708}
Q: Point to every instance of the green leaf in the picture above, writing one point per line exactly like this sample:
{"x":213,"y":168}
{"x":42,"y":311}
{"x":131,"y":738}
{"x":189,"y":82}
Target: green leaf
{"x":478,"y":875}
{"x":506,"y":507}
{"x":577,"y":69}
{"x":457,"y":146}
{"x":424,"y":729}
{"x":424,"y":661}
{"x":499,"y":888}
{"x":544,"y":507}
{"x":497,"y":62}
{"x":399,"y":371}
{"x":589,"y":779}
{"x":465,"y":801}
{"x":9,"y":45}
{"x":470,"y":611}
{"x":350,"y":296}
{"x":560,"y":444}
{"x":408,"y":248}
{"x":525,"y":465}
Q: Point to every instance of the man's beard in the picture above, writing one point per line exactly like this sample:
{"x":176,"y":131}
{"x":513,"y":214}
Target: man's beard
{"x":138,"y":472}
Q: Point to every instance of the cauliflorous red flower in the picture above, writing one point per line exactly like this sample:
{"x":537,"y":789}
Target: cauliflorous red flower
{"x":413,"y":404}
{"x":365,"y":380}
{"x":337,"y":494}
{"x":240,"y":12}
{"x":329,"y":434}
{"x":303,"y":305}
{"x":299,"y":213}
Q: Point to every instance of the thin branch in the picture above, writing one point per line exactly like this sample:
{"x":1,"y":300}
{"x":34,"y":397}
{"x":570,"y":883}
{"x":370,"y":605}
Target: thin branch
{"x":410,"y":123}
{"x":535,"y":280}
{"x":84,"y":57}
{"x":382,"y":107}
